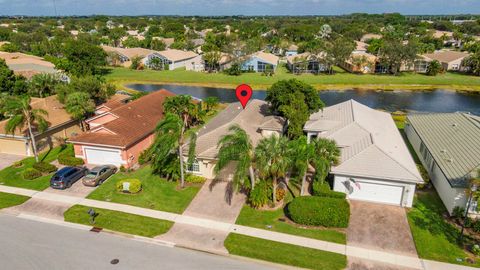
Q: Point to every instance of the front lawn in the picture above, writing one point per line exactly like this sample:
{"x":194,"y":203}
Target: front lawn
{"x":157,"y":193}
{"x":284,"y":253}
{"x":434,"y":238}
{"x":119,"y":221}
{"x":12,"y":176}
{"x":9,"y":200}
{"x":264,"y":219}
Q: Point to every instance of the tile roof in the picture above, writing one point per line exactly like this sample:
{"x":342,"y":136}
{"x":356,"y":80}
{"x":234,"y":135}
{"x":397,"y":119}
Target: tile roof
{"x":453,"y":140}
{"x":304,"y":56}
{"x":252,"y":119}
{"x":136,"y":120}
{"x":21,"y":59}
{"x":177,"y":55}
{"x":370,"y":143}
{"x":129,"y":52}
{"x":115,"y":101}
{"x":446,"y":56}
{"x":267,"y":57}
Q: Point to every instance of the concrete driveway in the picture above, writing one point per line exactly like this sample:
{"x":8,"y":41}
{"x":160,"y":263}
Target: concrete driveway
{"x":77,"y":190}
{"x":381,"y":227}
{"x":8,"y":159}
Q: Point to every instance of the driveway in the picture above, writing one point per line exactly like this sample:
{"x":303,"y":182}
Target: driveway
{"x":40,"y":208}
{"x":77,"y":190}
{"x":380,"y":227}
{"x":8,"y":159}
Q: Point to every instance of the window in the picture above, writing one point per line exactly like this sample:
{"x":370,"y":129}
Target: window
{"x":261,"y":66}
{"x":194,"y":167}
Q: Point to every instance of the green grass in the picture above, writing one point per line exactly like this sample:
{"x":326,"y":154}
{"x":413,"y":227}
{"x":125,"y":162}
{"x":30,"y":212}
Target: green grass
{"x":119,"y":221}
{"x":157,"y":193}
{"x":434,"y":238}
{"x":284,"y":253}
{"x":260,"y":219}
{"x":9,"y":200}
{"x":12,"y":176}
{"x":340,"y":80}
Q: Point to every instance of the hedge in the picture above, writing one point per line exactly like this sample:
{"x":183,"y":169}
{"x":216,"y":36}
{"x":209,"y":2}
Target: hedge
{"x":135,"y":185}
{"x":69,"y":161}
{"x":320,"y":211}
{"x":323,"y":190}
{"x":194,"y":179}
{"x":44,"y":167}
{"x":31,"y":173}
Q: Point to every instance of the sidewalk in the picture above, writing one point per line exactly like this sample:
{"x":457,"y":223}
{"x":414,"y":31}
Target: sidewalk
{"x":361,"y":253}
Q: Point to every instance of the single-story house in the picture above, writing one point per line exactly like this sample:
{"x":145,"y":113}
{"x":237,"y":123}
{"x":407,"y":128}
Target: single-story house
{"x":225,"y":62}
{"x":360,"y":47}
{"x":255,"y":119}
{"x":375,"y":164}
{"x":370,"y":36}
{"x":126,"y":55}
{"x":360,"y":62}
{"x":260,"y":61}
{"x":447,"y":37}
{"x":291,"y":50}
{"x":29,"y":65}
{"x":60,"y":125}
{"x":450,"y":60}
{"x":120,"y":135}
{"x":114,"y":102}
{"x":178,"y":59}
{"x":307,"y":63}
{"x":448,"y":145}
{"x":167,"y":41}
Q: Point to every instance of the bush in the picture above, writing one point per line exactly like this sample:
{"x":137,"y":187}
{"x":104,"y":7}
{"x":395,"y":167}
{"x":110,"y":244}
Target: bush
{"x":476,"y":226}
{"x":322,"y":189}
{"x":135,"y":185}
{"x":259,"y":196}
{"x":69,"y":161}
{"x":279,"y":194}
{"x":18,"y":164}
{"x":144,"y":157}
{"x":475,"y":250}
{"x":44,"y":167}
{"x":458,"y":212}
{"x":194,"y":179}
{"x":122,"y":168}
{"x":31,"y":173}
{"x":320,"y":211}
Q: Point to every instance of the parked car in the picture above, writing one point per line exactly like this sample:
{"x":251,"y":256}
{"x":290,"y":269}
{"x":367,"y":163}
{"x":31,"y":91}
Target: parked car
{"x":98,"y":175}
{"x":66,"y":176}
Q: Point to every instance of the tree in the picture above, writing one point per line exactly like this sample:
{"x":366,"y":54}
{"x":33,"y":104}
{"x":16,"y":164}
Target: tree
{"x":236,"y":147}
{"x":98,"y":90}
{"x":326,"y":154}
{"x":156,"y":64}
{"x":473,"y":63}
{"x":325,"y":31}
{"x":212,"y":60}
{"x":22,"y":114}
{"x":9,"y":82}
{"x":183,"y":107}
{"x":116,"y":34}
{"x":234,"y":70}
{"x":136,"y":63}
{"x":434,"y":68}
{"x":297,"y":114}
{"x":272,"y":160}
{"x":338,"y":51}
{"x":157,"y":45}
{"x":80,"y":105}
{"x":302,"y":153}
{"x":43,"y":85}
{"x":81,"y":58}
{"x":211,"y":102}
{"x":395,"y":52}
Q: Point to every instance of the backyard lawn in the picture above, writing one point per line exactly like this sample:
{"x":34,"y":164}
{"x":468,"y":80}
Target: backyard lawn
{"x":434,"y":238}
{"x":284,"y":253}
{"x":12,"y":176}
{"x":157,"y":193}
{"x":340,"y":80}
{"x":119,"y":221}
{"x":9,"y":200}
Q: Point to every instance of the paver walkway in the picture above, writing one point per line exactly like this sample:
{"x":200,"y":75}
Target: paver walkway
{"x":357,"y":252}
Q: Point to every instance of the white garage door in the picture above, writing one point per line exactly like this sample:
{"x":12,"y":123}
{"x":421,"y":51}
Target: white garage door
{"x":103,"y":156}
{"x":376,"y":193}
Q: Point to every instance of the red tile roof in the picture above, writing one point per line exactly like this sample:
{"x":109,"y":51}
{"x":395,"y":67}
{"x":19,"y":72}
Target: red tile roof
{"x":135,"y":121}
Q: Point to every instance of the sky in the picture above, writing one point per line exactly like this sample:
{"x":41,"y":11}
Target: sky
{"x":235,"y":7}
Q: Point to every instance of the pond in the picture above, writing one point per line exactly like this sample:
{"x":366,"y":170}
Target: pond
{"x":400,"y":100}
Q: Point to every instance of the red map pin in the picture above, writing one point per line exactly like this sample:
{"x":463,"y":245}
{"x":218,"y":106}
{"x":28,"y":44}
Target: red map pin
{"x":244,"y":93}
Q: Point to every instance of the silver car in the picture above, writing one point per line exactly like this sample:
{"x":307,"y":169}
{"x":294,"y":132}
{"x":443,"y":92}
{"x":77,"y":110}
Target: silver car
{"x":98,"y":175}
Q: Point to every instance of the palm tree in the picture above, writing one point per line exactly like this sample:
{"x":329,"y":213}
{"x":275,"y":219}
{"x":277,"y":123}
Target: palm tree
{"x":273,"y":159}
{"x":326,"y":154}
{"x":42,"y":85}
{"x":79,"y":105}
{"x":237,"y":147}
{"x":301,"y":154}
{"x":472,"y":192}
{"x":20,"y":114}
{"x":183,"y":106}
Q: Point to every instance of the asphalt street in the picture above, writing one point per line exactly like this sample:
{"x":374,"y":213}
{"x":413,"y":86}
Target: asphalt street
{"x":27,"y":244}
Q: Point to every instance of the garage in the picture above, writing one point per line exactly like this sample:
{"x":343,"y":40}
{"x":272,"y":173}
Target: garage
{"x":373,"y":192}
{"x":103,"y":156}
{"x":13,"y":147}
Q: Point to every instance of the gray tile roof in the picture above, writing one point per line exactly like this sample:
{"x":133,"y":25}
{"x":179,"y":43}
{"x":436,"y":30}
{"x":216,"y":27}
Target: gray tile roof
{"x":453,"y":139}
{"x":370,"y":143}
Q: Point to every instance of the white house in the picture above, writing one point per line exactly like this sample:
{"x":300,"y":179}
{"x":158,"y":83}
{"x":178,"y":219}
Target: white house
{"x":178,"y":59}
{"x":448,"y":145}
{"x":375,"y":164}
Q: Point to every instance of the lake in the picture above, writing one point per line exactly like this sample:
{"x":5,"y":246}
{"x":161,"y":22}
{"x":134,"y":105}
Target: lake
{"x":400,"y":100}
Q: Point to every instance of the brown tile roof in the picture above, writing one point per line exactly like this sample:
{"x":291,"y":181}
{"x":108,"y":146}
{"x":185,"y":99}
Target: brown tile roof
{"x":177,"y":55}
{"x":446,"y":56}
{"x":57,"y":114}
{"x":115,"y":101}
{"x":129,"y":52}
{"x":135,"y":121}
{"x":16,"y":58}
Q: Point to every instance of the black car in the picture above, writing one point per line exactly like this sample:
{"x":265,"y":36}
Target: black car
{"x":65,"y":177}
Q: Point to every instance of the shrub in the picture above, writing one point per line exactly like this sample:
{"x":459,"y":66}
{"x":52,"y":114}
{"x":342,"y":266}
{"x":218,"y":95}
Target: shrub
{"x":259,"y":196}
{"x":458,"y":212}
{"x":475,"y":250}
{"x":322,"y":189}
{"x":469,"y":222}
{"x":18,"y":164}
{"x":279,"y":194}
{"x":144,"y":157}
{"x":69,"y":161}
{"x":135,"y":185}
{"x":476,"y":226}
{"x":320,"y":211}
{"x":31,"y":173}
{"x":194,"y":179}
{"x":122,"y":168}
{"x":44,"y":167}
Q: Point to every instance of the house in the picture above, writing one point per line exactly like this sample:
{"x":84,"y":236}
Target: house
{"x":177,"y":59}
{"x":360,"y":47}
{"x":448,"y":145}
{"x":370,"y":36}
{"x":60,"y":126}
{"x":225,"y":62}
{"x":291,"y":50}
{"x":28,"y":65}
{"x":375,"y":164}
{"x":167,"y":41}
{"x":447,"y":37}
{"x":260,"y":62}
{"x":360,"y":62}
{"x":450,"y":60}
{"x":118,"y":136}
{"x":255,"y":119}
{"x":125,"y":55}
{"x":114,"y":102}
{"x":307,"y":63}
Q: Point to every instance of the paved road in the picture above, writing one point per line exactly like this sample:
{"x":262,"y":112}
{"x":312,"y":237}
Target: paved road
{"x":27,"y":244}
